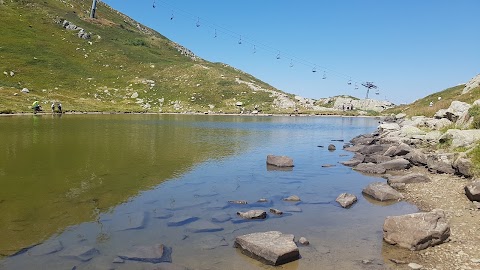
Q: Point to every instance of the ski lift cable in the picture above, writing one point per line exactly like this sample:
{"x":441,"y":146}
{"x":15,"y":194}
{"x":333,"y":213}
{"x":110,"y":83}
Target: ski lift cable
{"x":258,"y":45}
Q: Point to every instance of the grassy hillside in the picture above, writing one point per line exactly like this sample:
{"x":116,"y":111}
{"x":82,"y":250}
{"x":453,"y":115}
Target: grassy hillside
{"x":421,"y":106}
{"x":106,"y":73}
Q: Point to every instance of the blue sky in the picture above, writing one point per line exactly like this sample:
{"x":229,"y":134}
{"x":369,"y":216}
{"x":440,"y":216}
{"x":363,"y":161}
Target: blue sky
{"x":408,"y":48}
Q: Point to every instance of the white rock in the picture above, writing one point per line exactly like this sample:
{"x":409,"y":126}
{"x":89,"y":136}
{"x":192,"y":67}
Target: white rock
{"x":415,"y":266}
{"x":134,"y":95}
{"x":25,"y":90}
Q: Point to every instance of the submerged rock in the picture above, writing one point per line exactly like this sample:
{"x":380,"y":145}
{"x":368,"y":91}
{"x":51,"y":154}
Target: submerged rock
{"x":416,"y":231}
{"x":131,"y":221}
{"x":273,"y":247}
{"x":203,"y":226}
{"x":46,"y":248}
{"x":151,"y":254}
{"x":181,"y":220}
{"x":82,"y":253}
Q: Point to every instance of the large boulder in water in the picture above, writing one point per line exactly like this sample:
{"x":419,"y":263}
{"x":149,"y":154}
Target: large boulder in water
{"x":346,"y":200}
{"x":416,"y":231}
{"x":273,"y":247}
{"x":279,"y":161}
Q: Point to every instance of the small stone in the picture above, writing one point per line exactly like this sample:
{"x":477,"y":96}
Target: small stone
{"x":415,"y":266}
{"x":303,"y":241}
{"x":253,"y":214}
{"x":367,"y":261}
{"x":276,"y":211}
{"x":475,"y":260}
{"x":293,"y":198}
{"x":328,"y":165}
{"x":263,"y":200}
{"x":396,"y":261}
{"x":331,"y":147}
{"x":238,"y":202}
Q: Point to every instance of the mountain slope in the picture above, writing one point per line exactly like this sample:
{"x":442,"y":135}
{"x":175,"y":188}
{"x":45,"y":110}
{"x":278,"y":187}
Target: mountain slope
{"x":123,"y":66}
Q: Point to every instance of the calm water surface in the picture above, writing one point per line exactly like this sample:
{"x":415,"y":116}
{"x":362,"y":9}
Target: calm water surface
{"x":115,"y":181}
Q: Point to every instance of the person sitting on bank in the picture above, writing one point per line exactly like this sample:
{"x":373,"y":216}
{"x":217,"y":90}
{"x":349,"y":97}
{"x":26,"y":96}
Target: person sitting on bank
{"x":36,"y":107}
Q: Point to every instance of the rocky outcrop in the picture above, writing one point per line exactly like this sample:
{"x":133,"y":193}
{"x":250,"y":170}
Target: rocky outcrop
{"x":382,"y":192}
{"x":472,"y":84}
{"x":273,"y":247}
{"x":72,"y":27}
{"x":416,"y":231}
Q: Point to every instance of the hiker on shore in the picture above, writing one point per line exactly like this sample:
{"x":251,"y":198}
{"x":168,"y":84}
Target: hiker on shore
{"x":36,"y":107}
{"x":60,"y":107}
{"x":53,"y":107}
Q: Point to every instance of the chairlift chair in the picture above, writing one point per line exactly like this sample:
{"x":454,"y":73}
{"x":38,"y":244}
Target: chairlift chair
{"x":324,"y":75}
{"x":198,"y":22}
{"x":153,"y":3}
{"x":314,"y":69}
{"x":278,"y":56}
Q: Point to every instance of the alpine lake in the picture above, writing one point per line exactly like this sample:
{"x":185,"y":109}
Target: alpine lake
{"x":113,"y":182}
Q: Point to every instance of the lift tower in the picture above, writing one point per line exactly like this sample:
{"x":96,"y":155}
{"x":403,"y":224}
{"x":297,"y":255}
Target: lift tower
{"x":94,"y":7}
{"x":369,"y":85}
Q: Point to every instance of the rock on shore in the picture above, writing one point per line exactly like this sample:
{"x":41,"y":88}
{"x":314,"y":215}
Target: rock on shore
{"x":416,"y":231}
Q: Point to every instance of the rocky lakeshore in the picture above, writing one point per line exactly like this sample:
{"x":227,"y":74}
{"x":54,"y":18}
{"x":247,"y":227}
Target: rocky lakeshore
{"x":425,"y":161}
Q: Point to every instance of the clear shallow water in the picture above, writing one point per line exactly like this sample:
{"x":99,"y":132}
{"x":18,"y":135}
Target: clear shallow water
{"x":84,"y":180}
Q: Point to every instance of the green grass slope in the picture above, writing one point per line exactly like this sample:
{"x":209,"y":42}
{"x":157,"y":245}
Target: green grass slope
{"x":123,"y":67}
{"x":421,"y":106}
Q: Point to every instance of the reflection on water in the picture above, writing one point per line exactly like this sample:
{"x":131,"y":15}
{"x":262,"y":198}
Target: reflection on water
{"x":100,"y":181}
